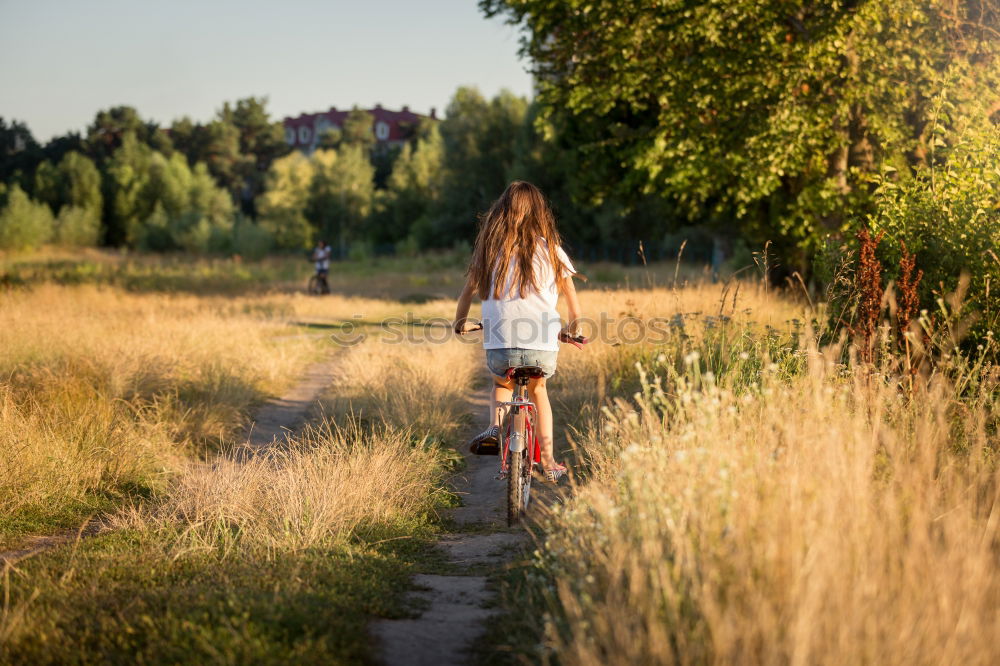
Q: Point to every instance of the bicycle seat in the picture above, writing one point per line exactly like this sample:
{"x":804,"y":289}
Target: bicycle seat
{"x":531,"y":371}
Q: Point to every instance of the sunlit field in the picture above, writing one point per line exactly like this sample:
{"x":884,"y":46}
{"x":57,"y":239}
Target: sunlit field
{"x":743,"y":491}
{"x":129,"y":405}
{"x":745,"y":495}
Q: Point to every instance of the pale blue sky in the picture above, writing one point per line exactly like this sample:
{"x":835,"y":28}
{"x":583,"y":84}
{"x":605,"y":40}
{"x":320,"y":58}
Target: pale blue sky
{"x":63,"y":60}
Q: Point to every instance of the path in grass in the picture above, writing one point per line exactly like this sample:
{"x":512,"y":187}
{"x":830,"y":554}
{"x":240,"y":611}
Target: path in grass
{"x":281,"y":417}
{"x":457,"y":605}
{"x":275,"y":420}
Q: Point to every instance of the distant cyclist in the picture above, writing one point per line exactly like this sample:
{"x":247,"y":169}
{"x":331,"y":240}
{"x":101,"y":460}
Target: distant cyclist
{"x":321,"y":257}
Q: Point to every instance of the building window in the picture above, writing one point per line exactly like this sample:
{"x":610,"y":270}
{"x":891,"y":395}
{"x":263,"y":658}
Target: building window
{"x":304,"y":134}
{"x":290,"y":136}
{"x":381,"y":131}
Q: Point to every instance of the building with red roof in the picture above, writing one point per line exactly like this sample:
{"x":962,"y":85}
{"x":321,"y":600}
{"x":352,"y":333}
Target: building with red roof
{"x":390,"y":128}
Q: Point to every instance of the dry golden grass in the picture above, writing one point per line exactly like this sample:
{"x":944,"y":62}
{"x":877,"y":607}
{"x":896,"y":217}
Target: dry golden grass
{"x":101,"y":390}
{"x":423,"y":386}
{"x":372,"y":460}
{"x":106,"y":391}
{"x":260,"y":558}
{"x":759,"y":502}
{"x":625,"y":320}
{"x":755,"y":502}
{"x":326,"y":485}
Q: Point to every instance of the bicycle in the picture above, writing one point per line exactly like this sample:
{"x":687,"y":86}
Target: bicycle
{"x":521,"y":450}
{"x":317,"y":285}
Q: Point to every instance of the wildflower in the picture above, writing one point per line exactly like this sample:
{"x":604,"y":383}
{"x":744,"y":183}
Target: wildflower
{"x":744,"y":356}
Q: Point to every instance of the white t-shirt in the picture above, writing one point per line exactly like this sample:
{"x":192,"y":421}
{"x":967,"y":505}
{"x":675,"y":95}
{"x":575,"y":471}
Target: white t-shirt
{"x":322,"y":257}
{"x":531,"y":322}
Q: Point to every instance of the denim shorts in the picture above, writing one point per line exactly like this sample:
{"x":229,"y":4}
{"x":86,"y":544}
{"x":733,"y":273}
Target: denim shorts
{"x":499,"y":360}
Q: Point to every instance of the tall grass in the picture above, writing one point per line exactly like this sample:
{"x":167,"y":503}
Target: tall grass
{"x":263,"y":558}
{"x":103,"y":392}
{"x":758,"y":501}
{"x":416,"y":384}
{"x":325,"y":486}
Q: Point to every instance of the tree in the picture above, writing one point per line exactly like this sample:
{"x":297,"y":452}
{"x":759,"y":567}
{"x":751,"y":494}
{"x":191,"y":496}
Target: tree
{"x":340,"y":195}
{"x":24,"y":224}
{"x":107,"y":132}
{"x":190,"y":138}
{"x":74,"y":182}
{"x":261,"y":139}
{"x":771,"y":114}
{"x":125,"y":181}
{"x":189,"y":210}
{"x":282,"y":205}
{"x":357,"y":130}
{"x":19,"y":152}
{"x":222,"y":154}
{"x":259,"y":135}
{"x":413,"y":189}
{"x":479,"y":140}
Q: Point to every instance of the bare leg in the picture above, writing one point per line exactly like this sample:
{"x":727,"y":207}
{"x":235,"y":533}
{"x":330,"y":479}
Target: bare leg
{"x":540,"y":396}
{"x":502,"y":392}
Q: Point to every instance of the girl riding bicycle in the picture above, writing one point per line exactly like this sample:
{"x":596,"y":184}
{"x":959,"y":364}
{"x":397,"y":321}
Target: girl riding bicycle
{"x":518,"y":241}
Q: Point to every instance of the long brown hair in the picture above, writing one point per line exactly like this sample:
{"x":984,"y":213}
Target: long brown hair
{"x":508,"y":235}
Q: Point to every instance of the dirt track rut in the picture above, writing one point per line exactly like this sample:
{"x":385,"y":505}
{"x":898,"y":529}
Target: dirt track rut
{"x":457,"y":608}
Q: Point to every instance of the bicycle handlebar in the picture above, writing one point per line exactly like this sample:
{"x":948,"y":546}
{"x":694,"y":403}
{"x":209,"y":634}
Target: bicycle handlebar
{"x":577,"y":341}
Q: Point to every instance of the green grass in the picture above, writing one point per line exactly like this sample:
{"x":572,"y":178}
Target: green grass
{"x":50,"y":519}
{"x":417,"y":277}
{"x":153,"y":273}
{"x":129,"y":598}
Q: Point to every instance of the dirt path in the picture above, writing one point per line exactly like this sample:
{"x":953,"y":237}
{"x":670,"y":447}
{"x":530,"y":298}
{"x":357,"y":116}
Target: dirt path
{"x":281,"y":417}
{"x":273,"y":423}
{"x":456,"y":606}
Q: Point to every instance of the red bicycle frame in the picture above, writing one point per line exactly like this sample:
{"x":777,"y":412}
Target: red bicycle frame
{"x":532,"y":443}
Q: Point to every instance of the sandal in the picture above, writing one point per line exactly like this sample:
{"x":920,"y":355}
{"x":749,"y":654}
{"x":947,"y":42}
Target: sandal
{"x":553,"y":475}
{"x":486,"y":443}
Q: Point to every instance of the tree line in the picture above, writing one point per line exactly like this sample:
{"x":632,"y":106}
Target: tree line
{"x":730,"y":124}
{"x":233,"y":185}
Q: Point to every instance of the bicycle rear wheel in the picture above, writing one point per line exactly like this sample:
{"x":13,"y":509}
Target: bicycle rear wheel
{"x":518,"y":468}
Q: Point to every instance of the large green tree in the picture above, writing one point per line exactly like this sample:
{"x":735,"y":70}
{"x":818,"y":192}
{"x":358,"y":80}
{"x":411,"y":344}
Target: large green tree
{"x":282,"y":205}
{"x":238,"y":146}
{"x":340,"y":196}
{"x":766,"y":116}
{"x":125,"y":182}
{"x":413,"y":189}
{"x":479,"y":139}
{"x":107,"y":132}
{"x":76,"y":181}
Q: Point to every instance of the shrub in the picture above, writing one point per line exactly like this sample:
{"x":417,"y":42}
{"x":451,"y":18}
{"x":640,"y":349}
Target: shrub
{"x":249,"y":240}
{"x":77,"y":227}
{"x":948,"y":214}
{"x":24,"y":224}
